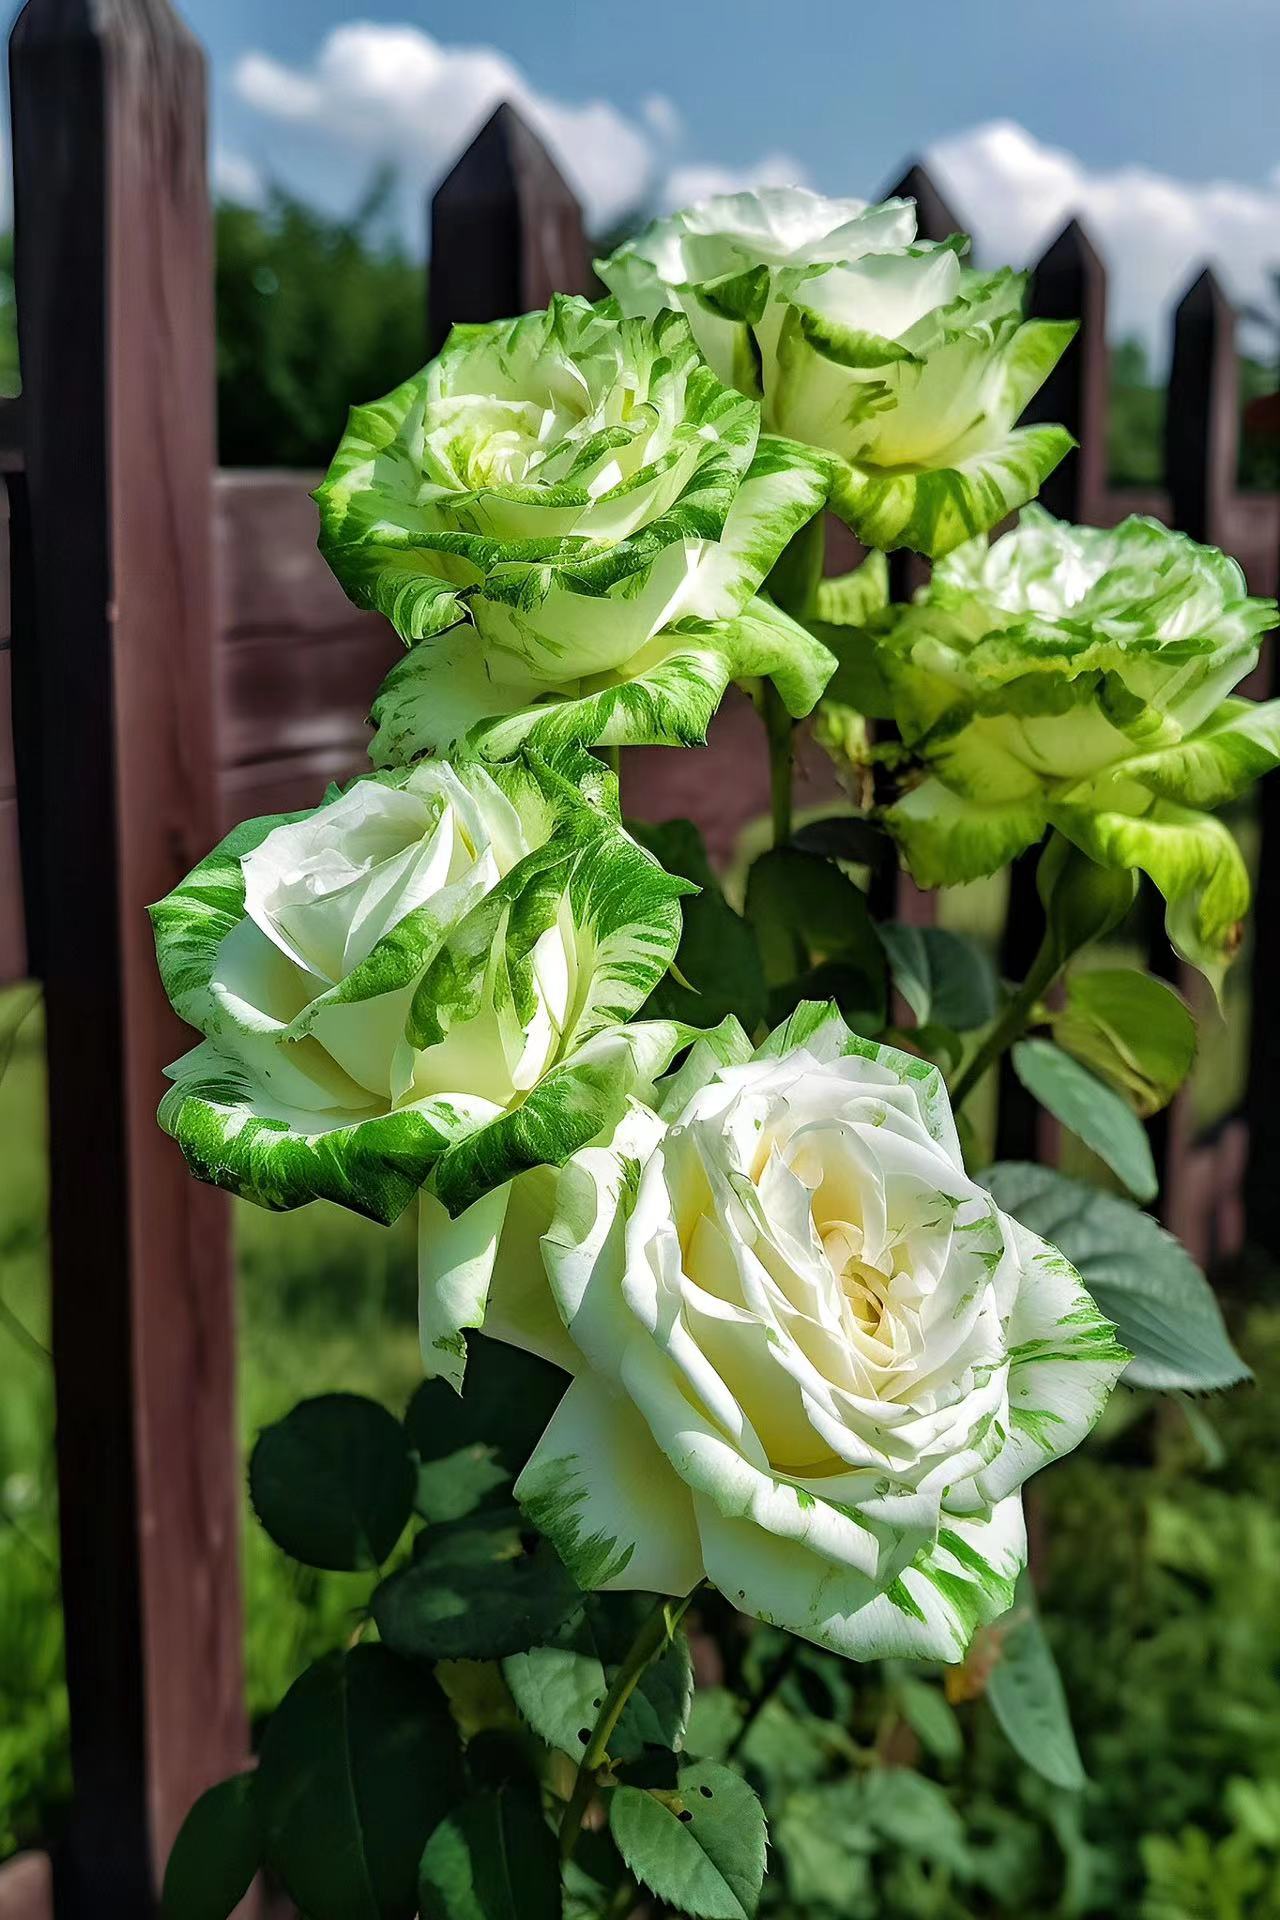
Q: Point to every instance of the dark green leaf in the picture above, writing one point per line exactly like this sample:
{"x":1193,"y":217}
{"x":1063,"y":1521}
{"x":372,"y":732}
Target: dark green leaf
{"x":468,"y":1448}
{"x":1131,"y":1029}
{"x":858,"y":993}
{"x":946,"y":980}
{"x":1142,"y":1279}
{"x":816,"y":937}
{"x":854,"y":838}
{"x":858,"y":680}
{"x":216,"y":1854}
{"x":559,"y":1689}
{"x":1027,"y":1697}
{"x":493,"y":1858}
{"x":701,"y":1848}
{"x":805,"y":910}
{"x":333,"y":1482}
{"x":718,"y":959}
{"x":1091,"y":1109}
{"x":359,"y":1763}
{"x":477,"y":1589}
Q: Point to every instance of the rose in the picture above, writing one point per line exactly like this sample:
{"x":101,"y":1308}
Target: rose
{"x":567,"y":517}
{"x":908,"y":367}
{"x":422,"y":976}
{"x":817,"y":1360}
{"x":1076,"y":677}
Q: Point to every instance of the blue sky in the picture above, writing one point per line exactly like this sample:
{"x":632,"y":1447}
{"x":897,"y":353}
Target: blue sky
{"x":1156,"y":119}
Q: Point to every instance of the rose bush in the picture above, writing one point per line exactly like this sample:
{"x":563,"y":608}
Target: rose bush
{"x":818,"y":1362}
{"x":423,"y":976}
{"x":568,"y":517}
{"x":906,"y":366}
{"x":1077,"y":677}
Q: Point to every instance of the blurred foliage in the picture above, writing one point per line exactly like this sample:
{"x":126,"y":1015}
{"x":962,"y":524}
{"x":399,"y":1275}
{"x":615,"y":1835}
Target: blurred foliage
{"x":314,"y":311}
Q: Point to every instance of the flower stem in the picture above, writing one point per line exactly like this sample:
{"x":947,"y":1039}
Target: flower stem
{"x":653,"y":1636}
{"x":1013,"y":1022}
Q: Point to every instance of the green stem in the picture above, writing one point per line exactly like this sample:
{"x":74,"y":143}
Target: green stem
{"x":778,"y":730}
{"x":653,"y":1636}
{"x":1013,"y":1022}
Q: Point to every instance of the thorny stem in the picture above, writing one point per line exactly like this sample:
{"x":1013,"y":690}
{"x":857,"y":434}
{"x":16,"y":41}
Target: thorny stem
{"x":653,"y":1636}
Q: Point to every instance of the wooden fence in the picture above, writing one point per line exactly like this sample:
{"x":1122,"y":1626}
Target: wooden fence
{"x":179,"y":658}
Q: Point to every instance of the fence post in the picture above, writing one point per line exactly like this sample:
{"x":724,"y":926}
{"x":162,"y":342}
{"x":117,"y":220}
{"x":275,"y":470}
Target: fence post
{"x":1200,"y":451}
{"x":113,"y":265}
{"x":506,"y":231}
{"x":1202,"y":424}
{"x":1068,"y":282}
{"x":935,"y":219}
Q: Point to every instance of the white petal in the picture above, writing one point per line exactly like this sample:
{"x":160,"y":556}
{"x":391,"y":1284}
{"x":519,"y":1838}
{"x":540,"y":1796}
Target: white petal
{"x":600,"y":1490}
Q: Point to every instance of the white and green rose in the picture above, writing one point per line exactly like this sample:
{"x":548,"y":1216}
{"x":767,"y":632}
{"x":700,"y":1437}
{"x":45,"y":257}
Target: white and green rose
{"x":817,"y":1360}
{"x":908,"y":367}
{"x":1079,"y":678}
{"x":425,"y":977}
{"x":568,"y":517}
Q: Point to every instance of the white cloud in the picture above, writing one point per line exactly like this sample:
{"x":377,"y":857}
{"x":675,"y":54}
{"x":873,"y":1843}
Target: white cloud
{"x":695,"y":180}
{"x":1154,"y":232}
{"x":235,"y":178}
{"x":392,"y":92}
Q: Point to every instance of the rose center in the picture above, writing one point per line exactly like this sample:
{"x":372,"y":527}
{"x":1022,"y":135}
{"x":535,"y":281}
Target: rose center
{"x":865,"y":1287}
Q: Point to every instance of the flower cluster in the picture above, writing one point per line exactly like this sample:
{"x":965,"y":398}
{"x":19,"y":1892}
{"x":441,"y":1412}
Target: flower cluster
{"x":807,"y":1356}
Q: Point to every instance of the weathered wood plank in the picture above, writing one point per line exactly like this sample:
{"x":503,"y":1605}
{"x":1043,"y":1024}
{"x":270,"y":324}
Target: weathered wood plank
{"x":1069,"y":282}
{"x":1201,"y":445}
{"x":26,"y":1888}
{"x":116,"y":335}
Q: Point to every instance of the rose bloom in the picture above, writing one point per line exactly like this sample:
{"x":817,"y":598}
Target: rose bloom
{"x":817,"y":1361}
{"x":906,"y":366}
{"x":567,"y":517}
{"x":429,"y":974}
